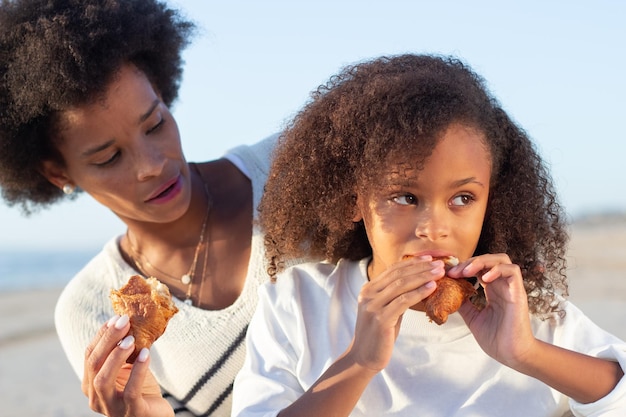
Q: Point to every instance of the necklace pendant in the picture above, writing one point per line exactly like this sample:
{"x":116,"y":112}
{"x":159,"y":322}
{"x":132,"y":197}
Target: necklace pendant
{"x":185,"y":279}
{"x":188,"y":301}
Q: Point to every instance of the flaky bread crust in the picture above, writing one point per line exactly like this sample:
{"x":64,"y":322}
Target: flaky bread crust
{"x":447,"y":298}
{"x":449,"y":294}
{"x":148,"y":303}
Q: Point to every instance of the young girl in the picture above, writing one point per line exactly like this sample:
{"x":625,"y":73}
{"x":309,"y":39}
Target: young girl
{"x":393,"y":163}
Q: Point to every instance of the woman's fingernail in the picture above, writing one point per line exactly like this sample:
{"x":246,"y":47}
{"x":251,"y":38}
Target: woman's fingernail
{"x":122,"y":322}
{"x":143,"y":355}
{"x":113,"y":320}
{"x":430,"y":284}
{"x":126,"y":342}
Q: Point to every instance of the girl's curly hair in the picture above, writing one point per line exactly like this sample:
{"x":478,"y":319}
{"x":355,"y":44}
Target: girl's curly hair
{"x":399,"y":106}
{"x":58,"y":54}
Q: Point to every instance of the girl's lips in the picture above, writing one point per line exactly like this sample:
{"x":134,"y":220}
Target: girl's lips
{"x":433,"y":253}
{"x":167,"y":191}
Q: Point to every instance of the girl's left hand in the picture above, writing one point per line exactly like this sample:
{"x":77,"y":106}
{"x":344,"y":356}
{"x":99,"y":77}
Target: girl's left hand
{"x":502,"y":328}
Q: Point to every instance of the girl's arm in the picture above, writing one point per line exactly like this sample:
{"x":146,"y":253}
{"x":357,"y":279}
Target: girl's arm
{"x":583,"y":378}
{"x":335,"y":393}
{"x":503,"y":331}
{"x":271,"y":378}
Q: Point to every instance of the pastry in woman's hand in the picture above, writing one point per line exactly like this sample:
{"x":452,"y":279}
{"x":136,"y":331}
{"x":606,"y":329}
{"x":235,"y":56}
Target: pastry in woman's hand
{"x":148,"y":303}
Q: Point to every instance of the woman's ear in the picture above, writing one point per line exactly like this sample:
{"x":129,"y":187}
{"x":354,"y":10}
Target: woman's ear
{"x":54,"y":173}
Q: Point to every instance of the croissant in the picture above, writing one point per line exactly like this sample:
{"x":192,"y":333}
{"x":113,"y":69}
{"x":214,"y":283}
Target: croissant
{"x":148,"y":303}
{"x":449,"y":294}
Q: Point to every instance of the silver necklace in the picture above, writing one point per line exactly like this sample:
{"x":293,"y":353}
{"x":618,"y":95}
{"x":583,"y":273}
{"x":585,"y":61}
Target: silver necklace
{"x":139,"y":260}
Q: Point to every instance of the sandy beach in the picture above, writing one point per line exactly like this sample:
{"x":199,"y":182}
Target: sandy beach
{"x":36,"y":378}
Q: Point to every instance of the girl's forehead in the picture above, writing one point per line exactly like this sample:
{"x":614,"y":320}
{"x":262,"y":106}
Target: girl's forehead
{"x":461,"y":149}
{"x":394,"y":173}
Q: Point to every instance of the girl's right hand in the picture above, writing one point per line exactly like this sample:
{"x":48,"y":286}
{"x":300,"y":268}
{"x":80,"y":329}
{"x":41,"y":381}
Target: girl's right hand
{"x":382,"y":303}
{"x":115,"y":388}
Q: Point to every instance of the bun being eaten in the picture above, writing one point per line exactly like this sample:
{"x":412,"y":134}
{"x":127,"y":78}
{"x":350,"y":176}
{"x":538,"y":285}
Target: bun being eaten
{"x":148,"y":303}
{"x":449,"y":294}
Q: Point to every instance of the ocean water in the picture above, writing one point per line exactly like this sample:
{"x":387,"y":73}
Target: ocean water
{"x":27,"y":270}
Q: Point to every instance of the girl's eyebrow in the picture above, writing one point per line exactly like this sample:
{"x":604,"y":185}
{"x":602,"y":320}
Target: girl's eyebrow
{"x":469,"y":180}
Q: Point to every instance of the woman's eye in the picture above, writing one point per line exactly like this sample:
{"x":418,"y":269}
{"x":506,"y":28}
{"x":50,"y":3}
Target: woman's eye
{"x":405,"y":200}
{"x":156,"y":126}
{"x":462,"y":200}
{"x":109,"y":161}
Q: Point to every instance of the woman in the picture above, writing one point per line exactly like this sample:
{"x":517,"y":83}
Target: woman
{"x":85,"y":95}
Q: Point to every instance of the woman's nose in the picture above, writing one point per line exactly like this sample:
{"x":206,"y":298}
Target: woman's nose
{"x":149,"y":162}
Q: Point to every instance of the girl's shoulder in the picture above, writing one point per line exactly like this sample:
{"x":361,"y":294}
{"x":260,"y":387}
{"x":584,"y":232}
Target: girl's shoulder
{"x":573,"y":329}
{"x":310,"y":279}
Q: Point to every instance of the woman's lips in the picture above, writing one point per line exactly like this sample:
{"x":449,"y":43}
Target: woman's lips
{"x":167,"y":192}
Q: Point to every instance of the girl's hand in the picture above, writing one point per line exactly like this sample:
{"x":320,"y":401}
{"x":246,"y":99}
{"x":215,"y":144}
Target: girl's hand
{"x":502,"y":328}
{"x":115,"y":388}
{"x":382,"y":303}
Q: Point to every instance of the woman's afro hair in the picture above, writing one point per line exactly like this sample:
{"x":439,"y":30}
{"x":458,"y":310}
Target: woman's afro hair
{"x":57,"y":54}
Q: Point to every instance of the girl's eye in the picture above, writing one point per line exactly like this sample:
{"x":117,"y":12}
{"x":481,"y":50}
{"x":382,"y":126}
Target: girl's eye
{"x":405,"y":200}
{"x":462,"y":200}
{"x":156,"y":126}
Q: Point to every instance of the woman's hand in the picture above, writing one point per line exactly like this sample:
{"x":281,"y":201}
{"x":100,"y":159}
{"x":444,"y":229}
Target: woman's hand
{"x":502,"y":328}
{"x":383,"y":301}
{"x":115,"y":388}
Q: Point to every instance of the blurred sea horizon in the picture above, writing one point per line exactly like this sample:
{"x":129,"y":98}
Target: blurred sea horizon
{"x":35,"y":269}
{"x":23,"y":269}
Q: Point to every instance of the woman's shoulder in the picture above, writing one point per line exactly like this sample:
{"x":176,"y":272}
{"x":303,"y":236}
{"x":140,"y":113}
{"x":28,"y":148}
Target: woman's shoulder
{"x":84,"y":303}
{"x":106,"y":270}
{"x":254,"y":159}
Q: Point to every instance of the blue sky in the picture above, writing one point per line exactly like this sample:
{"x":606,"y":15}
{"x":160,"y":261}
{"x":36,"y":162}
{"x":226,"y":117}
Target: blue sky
{"x":556,"y":67}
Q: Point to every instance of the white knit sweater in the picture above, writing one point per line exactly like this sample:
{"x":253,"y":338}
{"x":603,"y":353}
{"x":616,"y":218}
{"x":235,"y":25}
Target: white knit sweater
{"x":197,"y":358}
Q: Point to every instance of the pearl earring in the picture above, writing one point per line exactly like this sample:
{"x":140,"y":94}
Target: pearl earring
{"x":68,"y":188}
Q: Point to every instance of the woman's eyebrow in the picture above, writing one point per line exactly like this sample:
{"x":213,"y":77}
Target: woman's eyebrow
{"x":142,"y":119}
{"x":98,"y":148}
{"x":147,"y":114}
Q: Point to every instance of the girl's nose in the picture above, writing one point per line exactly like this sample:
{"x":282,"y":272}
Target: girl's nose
{"x":432,"y":224}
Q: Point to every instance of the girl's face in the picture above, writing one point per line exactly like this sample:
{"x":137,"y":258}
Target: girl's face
{"x":124,"y":150}
{"x":438,"y":210}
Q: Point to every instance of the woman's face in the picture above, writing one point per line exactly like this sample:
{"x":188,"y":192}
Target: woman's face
{"x":124,"y":150}
{"x":438,"y":210}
